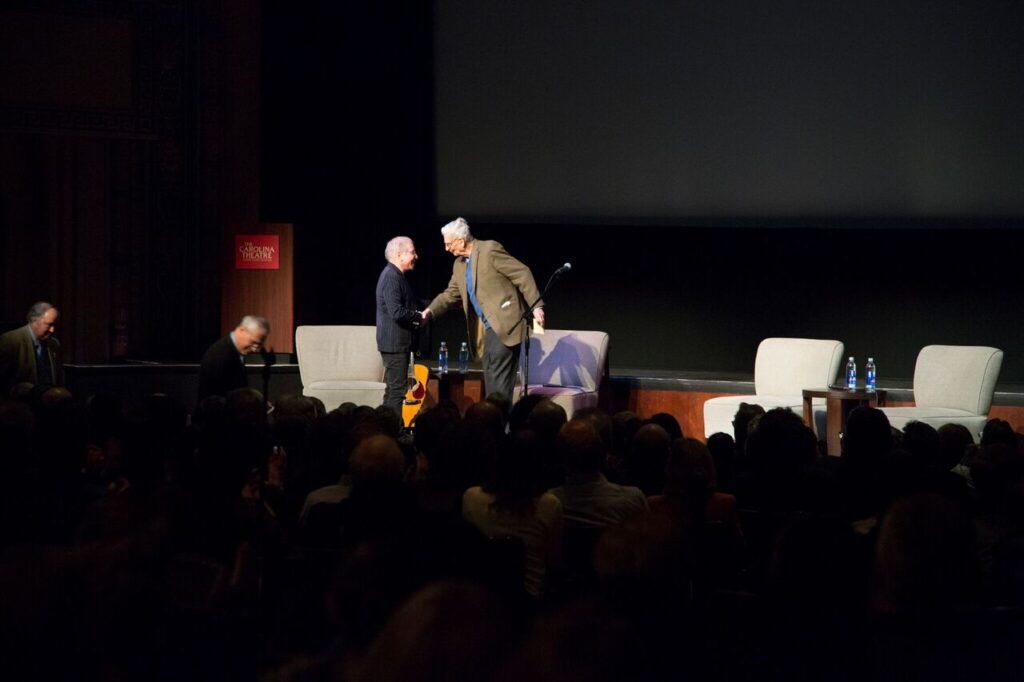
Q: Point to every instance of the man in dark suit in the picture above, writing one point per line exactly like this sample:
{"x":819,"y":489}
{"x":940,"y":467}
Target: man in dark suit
{"x":31,"y":353}
{"x":222,"y":368}
{"x":494,"y":289}
{"x":397,"y":318}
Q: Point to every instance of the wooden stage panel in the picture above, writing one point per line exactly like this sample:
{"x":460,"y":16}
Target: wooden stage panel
{"x":687,"y":407}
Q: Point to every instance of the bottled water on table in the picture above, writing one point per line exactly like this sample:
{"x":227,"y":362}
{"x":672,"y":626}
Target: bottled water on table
{"x":442,"y":358}
{"x":851,"y":373}
{"x":464,"y":357}
{"x":869,"y":374}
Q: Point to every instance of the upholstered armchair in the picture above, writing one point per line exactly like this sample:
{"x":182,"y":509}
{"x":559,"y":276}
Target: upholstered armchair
{"x":952,"y":385}
{"x":340,"y":364}
{"x":568,"y":367}
{"x":783,"y":368}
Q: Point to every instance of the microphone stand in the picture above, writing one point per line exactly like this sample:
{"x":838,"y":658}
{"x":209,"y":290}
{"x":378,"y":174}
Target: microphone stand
{"x":268,"y":361}
{"x":526,"y":318}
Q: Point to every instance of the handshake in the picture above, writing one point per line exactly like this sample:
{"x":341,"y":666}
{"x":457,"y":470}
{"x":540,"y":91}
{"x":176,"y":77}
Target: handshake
{"x":424,"y":316}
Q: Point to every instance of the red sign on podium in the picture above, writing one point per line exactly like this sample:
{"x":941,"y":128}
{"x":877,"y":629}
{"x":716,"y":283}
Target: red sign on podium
{"x":257,"y":252}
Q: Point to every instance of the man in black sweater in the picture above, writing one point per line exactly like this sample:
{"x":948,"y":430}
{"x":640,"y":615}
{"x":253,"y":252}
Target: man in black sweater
{"x":397,"y":318}
{"x":222,"y":368}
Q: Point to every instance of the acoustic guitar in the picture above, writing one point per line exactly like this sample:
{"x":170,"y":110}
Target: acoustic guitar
{"x":417,"y":393}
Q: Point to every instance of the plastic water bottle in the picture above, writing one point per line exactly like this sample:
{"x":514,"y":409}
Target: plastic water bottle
{"x":464,"y":357}
{"x":851,"y":373}
{"x":442,"y":358}
{"x":869,"y":374}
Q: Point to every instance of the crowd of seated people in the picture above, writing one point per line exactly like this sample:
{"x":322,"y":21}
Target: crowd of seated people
{"x":138,"y":541}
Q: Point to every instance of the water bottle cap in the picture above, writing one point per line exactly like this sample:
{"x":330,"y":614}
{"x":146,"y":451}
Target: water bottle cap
{"x":871,"y":359}
{"x":851,"y":357}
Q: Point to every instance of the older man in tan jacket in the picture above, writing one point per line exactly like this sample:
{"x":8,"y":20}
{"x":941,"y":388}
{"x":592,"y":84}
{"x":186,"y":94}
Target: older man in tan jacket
{"x":494,"y":289}
{"x":31,"y":353}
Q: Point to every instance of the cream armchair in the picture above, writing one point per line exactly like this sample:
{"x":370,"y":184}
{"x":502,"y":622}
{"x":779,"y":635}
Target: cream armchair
{"x":339,"y":364}
{"x":952,"y":385}
{"x":568,"y":366}
{"x":782,"y":370}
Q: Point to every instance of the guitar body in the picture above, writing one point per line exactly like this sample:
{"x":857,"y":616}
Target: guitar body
{"x":415,"y":396}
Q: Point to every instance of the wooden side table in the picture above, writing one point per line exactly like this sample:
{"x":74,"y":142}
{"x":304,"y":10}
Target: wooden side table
{"x":463,"y":389}
{"x":839,"y":403}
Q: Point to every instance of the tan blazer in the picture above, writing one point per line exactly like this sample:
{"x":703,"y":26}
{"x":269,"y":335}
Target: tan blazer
{"x":503,"y":286}
{"x":18,"y":359}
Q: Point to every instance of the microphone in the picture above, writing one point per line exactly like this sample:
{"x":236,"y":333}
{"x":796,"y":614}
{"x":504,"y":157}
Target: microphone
{"x":562,"y":270}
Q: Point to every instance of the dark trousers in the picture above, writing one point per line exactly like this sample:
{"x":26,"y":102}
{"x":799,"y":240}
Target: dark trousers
{"x":500,"y":365}
{"x":396,"y":376}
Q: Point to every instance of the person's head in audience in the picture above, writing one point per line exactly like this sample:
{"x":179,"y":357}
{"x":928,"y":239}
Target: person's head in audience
{"x":517,"y":481}
{"x":294,"y":416}
{"x":625,"y":424}
{"x":450,"y":631}
{"x":521,"y":411}
{"x":999,"y":431}
{"x":295,"y":406}
{"x":779,"y":451}
{"x":245,"y":406}
{"x":52,"y":396}
{"x":723,"y":452}
{"x":667,"y":422}
{"x":601,"y":422}
{"x":954,"y":439}
{"x":745,"y":414}
{"x":867,"y":439}
{"x":690,"y":473}
{"x":328,"y":437}
{"x":363,"y":413}
{"x":209,"y":413}
{"x":389,"y":420}
{"x":502,"y":402}
{"x":546,"y":418}
{"x":346,"y":408}
{"x":433,"y":427}
{"x":584,"y":641}
{"x":925,"y":559}
{"x":921,"y":444}
{"x":486,"y":415}
{"x":645,"y":465}
{"x":642,"y":565}
{"x":376,"y":464}
{"x":580,"y":447}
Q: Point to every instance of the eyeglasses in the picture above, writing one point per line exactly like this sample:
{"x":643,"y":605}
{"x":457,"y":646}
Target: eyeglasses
{"x":448,"y":244}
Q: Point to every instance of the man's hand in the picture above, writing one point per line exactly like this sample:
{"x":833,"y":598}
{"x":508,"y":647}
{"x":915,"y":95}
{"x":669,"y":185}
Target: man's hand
{"x":425,"y":316}
{"x":538,"y":314}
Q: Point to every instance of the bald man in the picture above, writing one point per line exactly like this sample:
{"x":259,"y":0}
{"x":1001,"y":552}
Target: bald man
{"x":397,"y":319}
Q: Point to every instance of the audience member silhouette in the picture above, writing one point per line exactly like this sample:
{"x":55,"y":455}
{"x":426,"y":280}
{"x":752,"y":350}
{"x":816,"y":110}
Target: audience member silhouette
{"x":589,"y":500}
{"x":645,"y":465}
{"x":514,"y":503}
